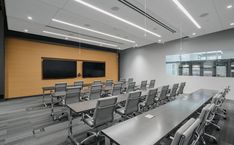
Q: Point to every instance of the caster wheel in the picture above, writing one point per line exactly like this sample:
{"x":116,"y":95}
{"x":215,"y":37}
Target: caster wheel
{"x":225,"y":118}
{"x":218,"y":129}
{"x":214,"y":141}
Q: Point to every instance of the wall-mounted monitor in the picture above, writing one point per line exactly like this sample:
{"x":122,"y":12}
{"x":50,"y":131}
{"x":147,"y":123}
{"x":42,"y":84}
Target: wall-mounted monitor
{"x":93,"y":69}
{"x":59,"y":69}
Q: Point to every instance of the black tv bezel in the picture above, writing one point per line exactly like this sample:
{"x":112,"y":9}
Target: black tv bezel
{"x":62,"y":59}
{"x":93,"y":62}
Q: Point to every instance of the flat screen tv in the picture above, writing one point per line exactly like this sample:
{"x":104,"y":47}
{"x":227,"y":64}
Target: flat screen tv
{"x":93,"y":69}
{"x":59,"y":69}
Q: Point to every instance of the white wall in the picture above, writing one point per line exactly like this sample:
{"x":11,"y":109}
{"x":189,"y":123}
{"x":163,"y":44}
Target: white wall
{"x":148,"y":62}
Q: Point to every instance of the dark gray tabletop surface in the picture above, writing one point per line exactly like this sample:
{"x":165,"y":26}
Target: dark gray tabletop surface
{"x":141,"y":130}
{"x":91,"y":104}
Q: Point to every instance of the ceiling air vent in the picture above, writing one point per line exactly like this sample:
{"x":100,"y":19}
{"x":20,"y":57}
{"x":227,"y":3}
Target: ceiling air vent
{"x":140,"y":11}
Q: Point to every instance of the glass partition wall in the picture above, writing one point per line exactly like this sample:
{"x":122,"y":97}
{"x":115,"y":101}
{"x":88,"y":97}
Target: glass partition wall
{"x":218,"y":63}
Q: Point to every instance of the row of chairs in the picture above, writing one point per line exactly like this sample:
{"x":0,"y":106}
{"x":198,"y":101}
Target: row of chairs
{"x":194,"y":130}
{"x":62,"y":92}
{"x":105,"y":108}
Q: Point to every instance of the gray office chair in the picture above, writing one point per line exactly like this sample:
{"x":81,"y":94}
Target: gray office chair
{"x":162,"y":99}
{"x":130,"y":80}
{"x":124,"y":85}
{"x":131,"y":87}
{"x":131,"y":106}
{"x":152,"y":84}
{"x":103,"y":114}
{"x":181,"y":88}
{"x":149,"y":101}
{"x":186,"y":135}
{"x":60,"y":94}
{"x":72,"y":96}
{"x":95,"y":92}
{"x":117,"y":89}
{"x":109,"y":83}
{"x":79,"y":83}
{"x":97,"y":82}
{"x":173,"y":92}
{"x":143,"y":85}
{"x":201,"y":128}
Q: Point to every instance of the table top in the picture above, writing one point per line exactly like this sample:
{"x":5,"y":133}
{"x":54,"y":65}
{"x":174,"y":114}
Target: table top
{"x":91,"y":104}
{"x":141,"y":130}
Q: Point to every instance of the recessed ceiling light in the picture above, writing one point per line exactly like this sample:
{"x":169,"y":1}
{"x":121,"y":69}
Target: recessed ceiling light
{"x":204,"y":15}
{"x":116,"y":17}
{"x":115,"y":8}
{"x":159,"y":41}
{"x":82,"y":39}
{"x":194,"y":34}
{"x":186,"y":13}
{"x":25,"y":30}
{"x":29,"y":17}
{"x":232,"y":24}
{"x":229,"y":6}
{"x":91,"y":30}
{"x":66,"y":38}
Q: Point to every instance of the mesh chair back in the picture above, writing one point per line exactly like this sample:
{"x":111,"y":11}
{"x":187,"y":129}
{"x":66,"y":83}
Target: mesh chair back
{"x":203,"y":117}
{"x":109,"y":83}
{"x":174,"y":90}
{"x":131,"y":87}
{"x":131,"y":105}
{"x":95,"y":92}
{"x":143,"y":85}
{"x":163,"y":93}
{"x":117,"y":89}
{"x":123,"y":84}
{"x":189,"y":135}
{"x":73,"y":92}
{"x":150,"y":97}
{"x":178,"y":138}
{"x":122,"y":80}
{"x":104,"y":112}
{"x":79,"y":83}
{"x":97,"y":82}
{"x":60,"y":87}
{"x":181,"y":88}
{"x":152,"y":84}
{"x":130,"y":80}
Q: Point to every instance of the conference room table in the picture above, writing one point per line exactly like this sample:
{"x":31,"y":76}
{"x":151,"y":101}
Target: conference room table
{"x":85,"y":106}
{"x":151,"y":127}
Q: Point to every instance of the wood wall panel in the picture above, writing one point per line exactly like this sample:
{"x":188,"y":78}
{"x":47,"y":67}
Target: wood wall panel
{"x":24,"y":71}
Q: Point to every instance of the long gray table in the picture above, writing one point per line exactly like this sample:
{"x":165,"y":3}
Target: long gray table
{"x":85,"y":106}
{"x":141,"y":130}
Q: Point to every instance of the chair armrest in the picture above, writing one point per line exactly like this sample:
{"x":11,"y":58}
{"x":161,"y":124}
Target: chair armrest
{"x":119,"y":105}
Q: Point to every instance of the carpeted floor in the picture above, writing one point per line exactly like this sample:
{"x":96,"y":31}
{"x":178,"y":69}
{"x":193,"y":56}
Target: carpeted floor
{"x":20,"y":117}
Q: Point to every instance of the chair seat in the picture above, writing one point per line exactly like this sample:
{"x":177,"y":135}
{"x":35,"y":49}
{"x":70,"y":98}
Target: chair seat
{"x":89,"y":122}
{"x":58,"y":94}
{"x":121,"y":110}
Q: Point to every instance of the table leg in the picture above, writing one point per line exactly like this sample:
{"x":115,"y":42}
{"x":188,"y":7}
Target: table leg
{"x":43,"y":99}
{"x":52,"y":106}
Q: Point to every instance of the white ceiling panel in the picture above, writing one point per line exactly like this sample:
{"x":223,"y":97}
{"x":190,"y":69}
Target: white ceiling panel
{"x":212,"y":15}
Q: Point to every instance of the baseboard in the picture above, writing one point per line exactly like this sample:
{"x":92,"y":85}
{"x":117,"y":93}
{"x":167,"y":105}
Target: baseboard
{"x":21,"y":97}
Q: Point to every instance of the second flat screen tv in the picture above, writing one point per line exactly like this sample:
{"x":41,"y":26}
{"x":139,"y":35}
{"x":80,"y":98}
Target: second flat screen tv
{"x":59,"y":69}
{"x":93,"y":69}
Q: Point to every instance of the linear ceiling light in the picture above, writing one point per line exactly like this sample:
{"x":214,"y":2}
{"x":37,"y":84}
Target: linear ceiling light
{"x":82,"y":39}
{"x":116,"y":17}
{"x":91,"y":30}
{"x":186,"y":13}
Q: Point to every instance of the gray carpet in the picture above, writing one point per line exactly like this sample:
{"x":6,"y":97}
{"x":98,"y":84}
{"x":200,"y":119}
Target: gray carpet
{"x":20,"y":117}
